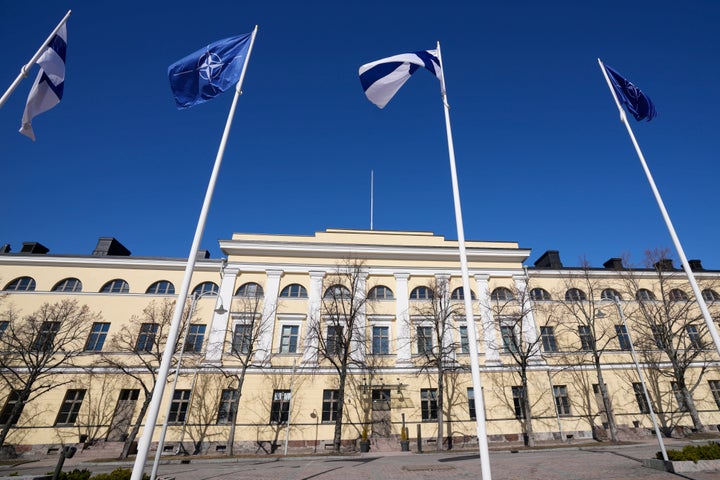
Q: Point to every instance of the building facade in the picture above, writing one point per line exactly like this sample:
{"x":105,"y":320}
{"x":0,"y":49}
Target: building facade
{"x":563,"y":352}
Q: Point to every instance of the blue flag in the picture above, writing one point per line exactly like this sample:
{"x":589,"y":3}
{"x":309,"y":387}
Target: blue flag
{"x":631,"y":96}
{"x":202,"y":75}
{"x":382,"y":79}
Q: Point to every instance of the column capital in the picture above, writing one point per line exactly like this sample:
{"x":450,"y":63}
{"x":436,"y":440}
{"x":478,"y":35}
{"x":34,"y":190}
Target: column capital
{"x":442,"y":276}
{"x":316,"y":275}
{"x":402,"y":276}
{"x":482,"y":277}
{"x":274,"y":273}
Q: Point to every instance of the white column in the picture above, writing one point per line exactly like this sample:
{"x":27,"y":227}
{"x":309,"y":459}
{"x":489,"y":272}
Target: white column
{"x":402,"y":315}
{"x":359,"y":346}
{"x":529,"y":327}
{"x":219,"y":325}
{"x":314,"y":303}
{"x":492,"y":355}
{"x":270,"y":302}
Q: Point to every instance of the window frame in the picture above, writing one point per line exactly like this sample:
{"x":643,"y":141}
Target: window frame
{"x":6,"y":414}
{"x":147,"y":336}
{"x":115,"y":286}
{"x":195,"y":338}
{"x":640,"y":398}
{"x":424,"y":343}
{"x":380,"y":343}
{"x":645,"y":295}
{"x":623,"y":337}
{"x":293,"y":291}
{"x":74,"y":284}
{"x":518,"y":394}
{"x":292,"y":349}
{"x":97,"y":336}
{"x":227,"y":413}
{"x":587,"y":339}
{"x":428,"y":404}
{"x":575,"y":295}
{"x":206,"y":289}
{"x":21,"y":284}
{"x":562,"y":400}
{"x":280,"y":406}
{"x":387,"y":293}
{"x":70,"y":407}
{"x":45,"y":337}
{"x":548,"y":339}
{"x":421,"y":293}
{"x":250,"y":290}
{"x":329,"y":406}
{"x":502,"y":294}
{"x":179,"y":406}
{"x":540,"y":295}
{"x":715,"y":391}
{"x":155,"y":288}
{"x":459,"y":294}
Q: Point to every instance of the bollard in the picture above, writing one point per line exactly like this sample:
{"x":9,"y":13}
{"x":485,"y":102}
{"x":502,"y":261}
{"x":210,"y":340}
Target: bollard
{"x":419,"y":438}
{"x":66,"y":452}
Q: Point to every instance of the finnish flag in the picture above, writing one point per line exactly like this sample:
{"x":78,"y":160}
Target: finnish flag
{"x":47,"y":90}
{"x":383,"y":78}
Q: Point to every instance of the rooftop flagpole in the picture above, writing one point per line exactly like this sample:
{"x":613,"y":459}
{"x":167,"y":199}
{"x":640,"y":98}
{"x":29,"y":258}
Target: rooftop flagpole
{"x":151,"y":419}
{"x":676,"y":241}
{"x":26,"y":68}
{"x":470,"y":321}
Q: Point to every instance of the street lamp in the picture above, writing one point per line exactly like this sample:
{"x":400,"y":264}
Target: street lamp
{"x":615,"y":299}
{"x":220,"y":310}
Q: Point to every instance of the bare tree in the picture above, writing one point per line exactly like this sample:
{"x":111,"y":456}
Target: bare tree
{"x":255,"y":320}
{"x":674,"y":329}
{"x":579,"y":309}
{"x":35,"y":347}
{"x":137,"y":350}
{"x":337,"y":336}
{"x":434,"y":335}
{"x":511,"y":308}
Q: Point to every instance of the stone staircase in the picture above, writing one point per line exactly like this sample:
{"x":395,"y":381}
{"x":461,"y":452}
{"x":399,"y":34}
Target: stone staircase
{"x":100,"y":449}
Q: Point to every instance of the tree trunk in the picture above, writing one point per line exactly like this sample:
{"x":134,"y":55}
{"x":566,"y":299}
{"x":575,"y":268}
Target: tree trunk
{"x":136,"y":428}
{"x":439,"y":400}
{"x":527,"y":410}
{"x":337,"y":437}
{"x":236,"y":404}
{"x":692,"y":409}
{"x":606,"y":402}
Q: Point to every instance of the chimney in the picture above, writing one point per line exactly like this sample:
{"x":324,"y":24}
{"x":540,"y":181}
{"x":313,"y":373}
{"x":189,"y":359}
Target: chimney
{"x":664,"y":265}
{"x":549,"y":259}
{"x":614,"y":264}
{"x":5,"y":248}
{"x":695,"y":265}
{"x":108,"y":246}
{"x":34,"y":248}
{"x":202,"y":254}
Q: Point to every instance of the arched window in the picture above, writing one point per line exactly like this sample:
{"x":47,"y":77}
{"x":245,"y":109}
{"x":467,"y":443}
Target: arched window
{"x":68,"y":285}
{"x":381,"y":292}
{"x":459,"y":294}
{"x":710,"y":295}
{"x":540,"y":295}
{"x":501,"y":294}
{"x":610,"y":294}
{"x":162,"y":287}
{"x":575,"y":295}
{"x":422,"y":293}
{"x":22,"y":284}
{"x":294,"y":290}
{"x":116,"y":286}
{"x":250,"y":289}
{"x":644,"y":295}
{"x":206,"y":288}
{"x":677,"y":295}
{"x":337,"y":292}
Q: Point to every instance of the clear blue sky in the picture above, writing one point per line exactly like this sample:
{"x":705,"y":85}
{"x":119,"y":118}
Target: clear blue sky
{"x":542,"y":157}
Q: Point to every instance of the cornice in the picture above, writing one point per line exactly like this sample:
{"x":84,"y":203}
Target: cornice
{"x":141,"y":263}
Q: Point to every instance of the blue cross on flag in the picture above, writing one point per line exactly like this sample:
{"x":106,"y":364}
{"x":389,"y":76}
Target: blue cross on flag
{"x":204,"y":74}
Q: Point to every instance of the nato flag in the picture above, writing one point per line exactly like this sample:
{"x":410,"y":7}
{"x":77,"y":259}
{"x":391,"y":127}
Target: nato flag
{"x":208,"y":72}
{"x":631,"y":96}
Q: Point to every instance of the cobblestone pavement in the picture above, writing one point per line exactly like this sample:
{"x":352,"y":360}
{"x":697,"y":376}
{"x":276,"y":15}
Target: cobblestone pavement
{"x":601,"y":462}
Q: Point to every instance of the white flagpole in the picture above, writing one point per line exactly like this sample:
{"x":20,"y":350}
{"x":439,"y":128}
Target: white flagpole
{"x":372,"y":181}
{"x":151,"y":419}
{"x":686,"y":266}
{"x":26,"y":68}
{"x":470,"y":321}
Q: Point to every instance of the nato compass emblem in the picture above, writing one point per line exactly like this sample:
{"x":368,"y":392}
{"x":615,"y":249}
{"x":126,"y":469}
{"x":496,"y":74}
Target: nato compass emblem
{"x":209,"y":66}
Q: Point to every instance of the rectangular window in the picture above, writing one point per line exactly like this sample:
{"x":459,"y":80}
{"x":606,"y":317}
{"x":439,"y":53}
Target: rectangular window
{"x":3,"y":327}
{"x":547,"y":335}
{"x":715,"y":390}
{"x":640,"y":398}
{"x":657,"y":336}
{"x":289,"y":339}
{"x":195,"y":338}
{"x":226,"y":410}
{"x":679,"y":397}
{"x":70,"y":407}
{"x":464,"y":342}
{"x":146,"y":337}
{"x":242,"y":339}
{"x":280,"y":408}
{"x":518,"y":394}
{"x":97,"y":336}
{"x":428,"y":403}
{"x":694,"y":335}
{"x":587,"y":341}
{"x":562,"y":401}
{"x":330,"y":405}
{"x":471,"y":402}
{"x":380,"y":340}
{"x":509,"y":339}
{"x":424,"y":340}
{"x":6,"y":415}
{"x":623,"y":337}
{"x":46,"y":336}
{"x":179,"y":406}
{"x":334,"y":340}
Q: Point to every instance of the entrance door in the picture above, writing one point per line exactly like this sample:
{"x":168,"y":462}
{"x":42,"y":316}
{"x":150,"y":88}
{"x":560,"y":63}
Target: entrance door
{"x":123,"y":415}
{"x":381,"y":425}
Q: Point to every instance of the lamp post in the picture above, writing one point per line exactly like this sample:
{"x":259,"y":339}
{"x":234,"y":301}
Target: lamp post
{"x":616,"y":301}
{"x":161,"y":441}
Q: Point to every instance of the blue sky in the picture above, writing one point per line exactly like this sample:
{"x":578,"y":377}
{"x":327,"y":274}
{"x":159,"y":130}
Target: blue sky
{"x":541,"y":155}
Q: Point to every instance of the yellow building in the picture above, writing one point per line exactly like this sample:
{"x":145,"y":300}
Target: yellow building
{"x":274,"y":315}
